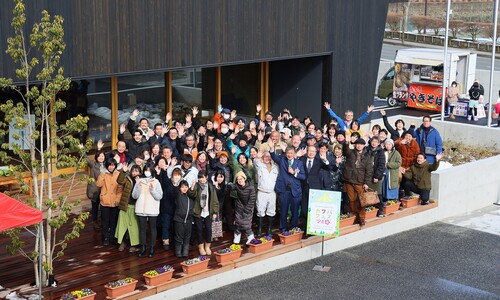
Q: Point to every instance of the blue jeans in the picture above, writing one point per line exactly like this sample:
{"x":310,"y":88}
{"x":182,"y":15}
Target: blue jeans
{"x":166,"y":222}
{"x":287,"y":201}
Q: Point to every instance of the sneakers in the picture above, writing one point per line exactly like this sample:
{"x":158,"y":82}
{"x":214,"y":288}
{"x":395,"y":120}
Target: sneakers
{"x":122,"y":247}
{"x":133,"y":249}
{"x":237,"y":238}
{"x":476,"y":119}
{"x":469,"y":117}
{"x":424,"y":202}
{"x":250,"y":238}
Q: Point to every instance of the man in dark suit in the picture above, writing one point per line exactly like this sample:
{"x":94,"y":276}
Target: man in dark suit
{"x":288,"y":184}
{"x":313,"y":165}
{"x":158,"y":134}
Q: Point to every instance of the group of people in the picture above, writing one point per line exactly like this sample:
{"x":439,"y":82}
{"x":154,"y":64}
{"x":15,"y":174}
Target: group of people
{"x":476,"y":97}
{"x":180,"y":179}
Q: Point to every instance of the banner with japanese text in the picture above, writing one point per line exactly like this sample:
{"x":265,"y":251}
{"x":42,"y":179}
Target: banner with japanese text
{"x":323,"y":213}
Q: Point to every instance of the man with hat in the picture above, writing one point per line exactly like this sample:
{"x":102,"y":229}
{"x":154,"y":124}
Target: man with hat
{"x":358,"y":173}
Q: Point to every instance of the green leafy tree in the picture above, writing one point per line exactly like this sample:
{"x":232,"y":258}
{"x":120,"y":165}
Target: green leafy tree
{"x":46,"y":146}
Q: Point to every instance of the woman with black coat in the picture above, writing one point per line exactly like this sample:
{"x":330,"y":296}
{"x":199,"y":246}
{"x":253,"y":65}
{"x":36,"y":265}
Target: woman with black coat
{"x":378,"y":158}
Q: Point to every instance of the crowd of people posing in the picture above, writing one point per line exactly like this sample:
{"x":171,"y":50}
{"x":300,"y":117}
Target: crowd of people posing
{"x":240,"y":171}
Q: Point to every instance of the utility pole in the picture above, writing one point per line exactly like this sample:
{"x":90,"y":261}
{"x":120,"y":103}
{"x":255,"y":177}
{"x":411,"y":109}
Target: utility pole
{"x":425,"y":15}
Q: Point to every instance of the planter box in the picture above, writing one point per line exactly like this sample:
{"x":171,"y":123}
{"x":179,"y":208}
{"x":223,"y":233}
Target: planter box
{"x":410,"y":202}
{"x":290,"y":239}
{"x":391,"y":208}
{"x":89,"y":297}
{"x":371,"y":214}
{"x":347,"y":222}
{"x":158,"y":279}
{"x":225,"y":257}
{"x":121,"y":290}
{"x":195,"y":268}
{"x":261,"y":247}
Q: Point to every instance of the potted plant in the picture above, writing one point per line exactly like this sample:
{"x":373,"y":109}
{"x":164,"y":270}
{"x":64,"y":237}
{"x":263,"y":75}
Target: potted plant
{"x":260,"y":245}
{"x":85,"y":293}
{"x":391,"y":206}
{"x":158,"y":275}
{"x":292,"y":236}
{"x":227,"y":254}
{"x":371,"y":212}
{"x":120,"y":287}
{"x":346,"y":220}
{"x":196,"y":264}
{"x":410,"y":201}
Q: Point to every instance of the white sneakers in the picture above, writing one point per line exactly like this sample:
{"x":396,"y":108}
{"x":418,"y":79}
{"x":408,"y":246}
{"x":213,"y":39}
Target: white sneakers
{"x":469,"y":117}
{"x":250,"y":238}
{"x":476,"y":119}
{"x":237,"y":238}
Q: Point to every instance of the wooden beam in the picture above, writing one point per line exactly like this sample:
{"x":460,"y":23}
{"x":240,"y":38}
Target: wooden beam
{"x":114,"y":111}
{"x":218,"y":88}
{"x":264,"y":88}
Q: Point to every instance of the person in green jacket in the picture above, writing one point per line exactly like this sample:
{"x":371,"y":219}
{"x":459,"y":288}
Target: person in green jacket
{"x":418,"y":177}
{"x":206,"y":207}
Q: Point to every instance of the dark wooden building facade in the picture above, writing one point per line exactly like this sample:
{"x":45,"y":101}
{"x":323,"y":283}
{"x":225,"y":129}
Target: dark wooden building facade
{"x":287,"y":53}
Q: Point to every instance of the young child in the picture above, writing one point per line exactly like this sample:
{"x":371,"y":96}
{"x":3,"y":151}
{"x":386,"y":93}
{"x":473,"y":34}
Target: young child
{"x":183,"y":218}
{"x":418,"y":177}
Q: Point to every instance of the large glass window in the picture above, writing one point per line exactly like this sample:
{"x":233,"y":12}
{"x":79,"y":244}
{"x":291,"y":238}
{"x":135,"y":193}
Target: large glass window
{"x":187,"y":91}
{"x":99,"y":108}
{"x":240,"y":88}
{"x":145,"y":92}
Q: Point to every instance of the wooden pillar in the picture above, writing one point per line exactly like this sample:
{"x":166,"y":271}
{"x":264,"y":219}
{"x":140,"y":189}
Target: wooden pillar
{"x":264,"y":88}
{"x":114,"y":111}
{"x":168,"y":93}
{"x":218,"y":88}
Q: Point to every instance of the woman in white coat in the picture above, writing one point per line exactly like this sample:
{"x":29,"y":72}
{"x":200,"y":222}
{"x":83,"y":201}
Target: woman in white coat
{"x":148,"y":193}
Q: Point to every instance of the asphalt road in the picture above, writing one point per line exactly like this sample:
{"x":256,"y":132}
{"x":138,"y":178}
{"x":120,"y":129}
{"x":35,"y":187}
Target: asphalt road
{"x":389,"y":53}
{"x":437,"y":261}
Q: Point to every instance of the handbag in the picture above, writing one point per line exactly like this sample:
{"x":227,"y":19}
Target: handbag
{"x":216,"y":229}
{"x":368,"y":198}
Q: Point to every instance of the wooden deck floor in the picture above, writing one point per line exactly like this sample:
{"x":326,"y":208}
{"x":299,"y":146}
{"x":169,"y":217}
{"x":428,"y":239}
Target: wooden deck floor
{"x":87,"y":264}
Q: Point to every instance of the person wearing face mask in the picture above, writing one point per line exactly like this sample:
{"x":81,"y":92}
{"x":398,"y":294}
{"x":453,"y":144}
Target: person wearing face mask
{"x":148,"y":193}
{"x":110,"y":196}
{"x":127,"y":219}
{"x":225,"y":131}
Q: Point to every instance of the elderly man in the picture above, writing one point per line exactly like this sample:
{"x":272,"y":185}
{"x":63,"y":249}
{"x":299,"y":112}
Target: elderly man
{"x":267,"y":174}
{"x":346,"y":123}
{"x":288,"y":185}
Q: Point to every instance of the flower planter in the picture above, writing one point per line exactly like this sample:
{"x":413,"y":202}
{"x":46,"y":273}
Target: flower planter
{"x":391,"y":208}
{"x":196,"y":267}
{"x":410,"y":202}
{"x":88,"y":297}
{"x":158,"y":279}
{"x":347,"y":222}
{"x":290,"y":239}
{"x":258,"y":248}
{"x":371,"y":214}
{"x":121,"y":290}
{"x":225,"y":257}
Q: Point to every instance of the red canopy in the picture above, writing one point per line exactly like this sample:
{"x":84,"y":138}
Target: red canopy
{"x":16,"y":214}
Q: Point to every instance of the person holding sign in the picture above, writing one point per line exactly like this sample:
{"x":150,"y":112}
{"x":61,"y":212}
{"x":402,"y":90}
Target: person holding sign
{"x":357,"y":174}
{"x":288,"y":184}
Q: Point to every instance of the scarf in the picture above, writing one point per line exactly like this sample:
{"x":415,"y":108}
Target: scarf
{"x":201,"y":165}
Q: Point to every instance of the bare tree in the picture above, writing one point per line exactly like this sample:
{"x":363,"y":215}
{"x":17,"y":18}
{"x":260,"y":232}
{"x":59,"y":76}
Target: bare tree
{"x":437,"y":25}
{"x":489,"y":28}
{"x":393,"y":20}
{"x":455,"y":27}
{"x":421,"y":22}
{"x":473,"y":29}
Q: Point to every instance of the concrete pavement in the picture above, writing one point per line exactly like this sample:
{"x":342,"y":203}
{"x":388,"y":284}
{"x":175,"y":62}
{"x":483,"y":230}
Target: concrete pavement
{"x":457,"y":258}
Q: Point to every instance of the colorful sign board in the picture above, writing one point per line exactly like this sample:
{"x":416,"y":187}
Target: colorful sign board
{"x":422,"y":96}
{"x":324,"y":212}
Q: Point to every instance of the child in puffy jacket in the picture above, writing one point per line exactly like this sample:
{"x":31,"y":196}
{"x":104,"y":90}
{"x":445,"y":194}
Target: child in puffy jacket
{"x":183,"y":217}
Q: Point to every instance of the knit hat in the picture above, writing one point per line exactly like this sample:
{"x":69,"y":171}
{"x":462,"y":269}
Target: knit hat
{"x":389,"y":141}
{"x":222,"y":153}
{"x":226,"y":111}
{"x":408,"y":132}
{"x":241,"y":174}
